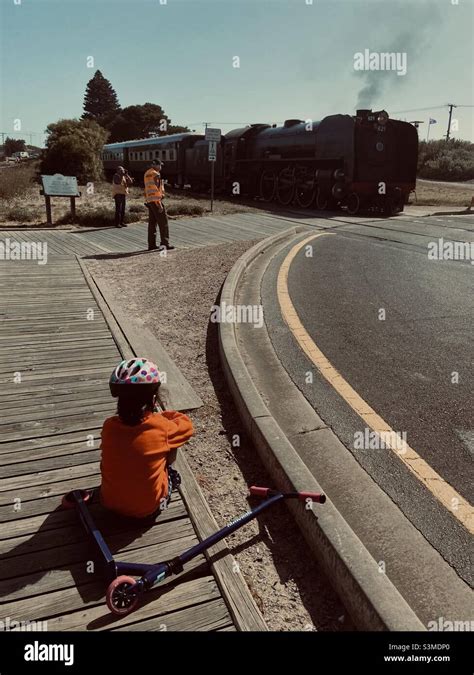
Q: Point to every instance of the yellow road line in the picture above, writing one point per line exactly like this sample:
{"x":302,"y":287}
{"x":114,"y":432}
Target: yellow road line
{"x":439,"y":488}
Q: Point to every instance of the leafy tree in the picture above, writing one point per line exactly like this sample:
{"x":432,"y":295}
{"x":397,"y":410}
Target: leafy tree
{"x":446,"y":160}
{"x":13,"y":145}
{"x":100,"y":101}
{"x":141,"y":121}
{"x":73,"y":148}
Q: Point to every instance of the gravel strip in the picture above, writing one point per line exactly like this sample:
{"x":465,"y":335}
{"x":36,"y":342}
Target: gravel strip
{"x":174,"y":296}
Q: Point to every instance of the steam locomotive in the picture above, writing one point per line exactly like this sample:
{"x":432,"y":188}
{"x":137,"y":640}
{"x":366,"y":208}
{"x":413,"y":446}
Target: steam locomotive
{"x":366,"y":161}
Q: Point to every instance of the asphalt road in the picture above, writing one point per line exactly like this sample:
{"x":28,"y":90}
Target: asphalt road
{"x":404,"y":365}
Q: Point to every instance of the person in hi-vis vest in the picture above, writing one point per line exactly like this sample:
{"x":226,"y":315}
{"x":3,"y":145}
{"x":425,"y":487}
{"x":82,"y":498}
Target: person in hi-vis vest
{"x":154,"y":193}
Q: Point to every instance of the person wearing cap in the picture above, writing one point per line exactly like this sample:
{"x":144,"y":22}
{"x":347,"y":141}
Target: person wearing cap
{"x":120,"y":184}
{"x":154,"y":193}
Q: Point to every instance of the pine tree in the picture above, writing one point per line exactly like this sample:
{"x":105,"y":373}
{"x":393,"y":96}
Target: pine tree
{"x":100,"y":101}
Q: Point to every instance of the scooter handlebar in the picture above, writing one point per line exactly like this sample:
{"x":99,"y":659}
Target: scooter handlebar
{"x":302,"y":496}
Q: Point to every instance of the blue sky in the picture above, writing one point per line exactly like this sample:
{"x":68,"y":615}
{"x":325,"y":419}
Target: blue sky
{"x":296,"y":59}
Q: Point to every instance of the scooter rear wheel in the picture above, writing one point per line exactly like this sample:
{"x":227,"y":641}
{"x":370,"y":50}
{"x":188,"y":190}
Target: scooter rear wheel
{"x":119,"y":600}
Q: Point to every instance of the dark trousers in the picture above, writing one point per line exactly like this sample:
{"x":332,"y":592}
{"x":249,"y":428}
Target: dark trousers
{"x":160,"y":219}
{"x":119,"y":209}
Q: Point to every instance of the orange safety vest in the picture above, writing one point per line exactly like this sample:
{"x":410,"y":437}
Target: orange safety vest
{"x":153,"y":192}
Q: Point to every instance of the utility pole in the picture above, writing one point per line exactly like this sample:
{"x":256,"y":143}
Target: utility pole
{"x":451,"y":106}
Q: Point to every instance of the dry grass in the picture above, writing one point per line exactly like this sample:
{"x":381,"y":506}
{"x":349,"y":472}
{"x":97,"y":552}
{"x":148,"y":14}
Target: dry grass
{"x":437,"y":194}
{"x":25,"y":205}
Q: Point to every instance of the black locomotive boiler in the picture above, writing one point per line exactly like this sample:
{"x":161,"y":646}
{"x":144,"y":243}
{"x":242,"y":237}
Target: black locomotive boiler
{"x":365,"y":161}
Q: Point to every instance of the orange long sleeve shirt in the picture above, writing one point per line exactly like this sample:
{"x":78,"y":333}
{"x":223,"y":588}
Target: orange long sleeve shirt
{"x":133,"y":462}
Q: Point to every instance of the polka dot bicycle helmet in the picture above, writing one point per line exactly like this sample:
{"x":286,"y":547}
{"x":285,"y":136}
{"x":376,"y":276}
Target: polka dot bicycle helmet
{"x":134,"y":371}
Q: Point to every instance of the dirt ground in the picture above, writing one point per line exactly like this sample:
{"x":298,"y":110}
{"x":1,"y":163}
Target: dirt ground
{"x":175,"y":296}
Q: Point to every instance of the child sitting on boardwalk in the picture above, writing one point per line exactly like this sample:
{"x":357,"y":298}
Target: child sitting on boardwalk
{"x":138,"y":444}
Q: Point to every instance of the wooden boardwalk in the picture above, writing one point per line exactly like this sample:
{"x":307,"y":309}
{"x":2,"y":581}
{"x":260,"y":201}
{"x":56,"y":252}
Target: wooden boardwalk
{"x":56,"y":354}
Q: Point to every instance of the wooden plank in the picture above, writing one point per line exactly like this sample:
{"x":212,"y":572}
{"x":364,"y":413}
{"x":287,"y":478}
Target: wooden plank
{"x":60,"y":547}
{"x":10,"y":498}
{"x":115,"y":330}
{"x":86,"y":421}
{"x":182,"y":396}
{"x":47,"y":463}
{"x":235,"y":591}
{"x":33,"y":486}
{"x":62,"y":517}
{"x":156,"y":602}
{"x":54,"y":411}
{"x":208,"y":616}
{"x":60,"y":555}
{"x":76,"y":574}
{"x":22,"y":455}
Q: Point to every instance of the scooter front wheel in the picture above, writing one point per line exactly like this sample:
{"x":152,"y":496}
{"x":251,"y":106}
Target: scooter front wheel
{"x":120,"y":599}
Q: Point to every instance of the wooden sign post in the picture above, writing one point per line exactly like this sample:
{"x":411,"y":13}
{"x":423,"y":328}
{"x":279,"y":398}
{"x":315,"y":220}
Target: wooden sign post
{"x":59,"y":186}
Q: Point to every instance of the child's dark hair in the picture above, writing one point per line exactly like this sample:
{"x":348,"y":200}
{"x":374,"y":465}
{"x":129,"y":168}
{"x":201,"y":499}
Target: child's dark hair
{"x":133,"y":405}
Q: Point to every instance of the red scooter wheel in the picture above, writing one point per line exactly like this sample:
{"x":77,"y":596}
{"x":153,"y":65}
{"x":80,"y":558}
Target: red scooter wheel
{"x":119,"y":599}
{"x":68,"y":501}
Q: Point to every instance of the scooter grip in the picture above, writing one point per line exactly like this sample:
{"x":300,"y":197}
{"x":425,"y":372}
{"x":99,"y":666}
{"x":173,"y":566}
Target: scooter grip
{"x":259,"y":491}
{"x":314,"y":496}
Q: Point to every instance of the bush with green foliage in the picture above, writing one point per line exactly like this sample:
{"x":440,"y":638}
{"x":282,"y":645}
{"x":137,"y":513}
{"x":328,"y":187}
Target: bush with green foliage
{"x":99,"y":217}
{"x":73,"y":148}
{"x":446,"y":160}
{"x":13,"y":145}
{"x":19,"y":214}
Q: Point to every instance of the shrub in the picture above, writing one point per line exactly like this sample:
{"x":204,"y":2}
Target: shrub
{"x":19,"y":214}
{"x":137,"y":208}
{"x":100,"y":217}
{"x":446,"y":160}
{"x":74,"y":148}
{"x":186,"y":210}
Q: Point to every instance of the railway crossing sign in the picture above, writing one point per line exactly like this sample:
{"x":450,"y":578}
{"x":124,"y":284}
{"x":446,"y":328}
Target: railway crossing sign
{"x":212,"y":134}
{"x":212,"y":151}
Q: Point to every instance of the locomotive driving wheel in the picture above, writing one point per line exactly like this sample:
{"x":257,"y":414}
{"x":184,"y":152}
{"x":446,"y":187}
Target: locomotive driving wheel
{"x":267,"y":185}
{"x":286,"y":186}
{"x":353,"y":203}
{"x":305,"y":192}
{"x":322,"y":200}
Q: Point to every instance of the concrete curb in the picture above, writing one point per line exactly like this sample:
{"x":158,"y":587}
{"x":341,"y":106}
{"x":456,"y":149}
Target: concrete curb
{"x":369,"y":596}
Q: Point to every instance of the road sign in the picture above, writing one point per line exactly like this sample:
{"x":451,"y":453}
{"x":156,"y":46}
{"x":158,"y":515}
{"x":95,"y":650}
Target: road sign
{"x":212,"y":151}
{"x":213,"y":134}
